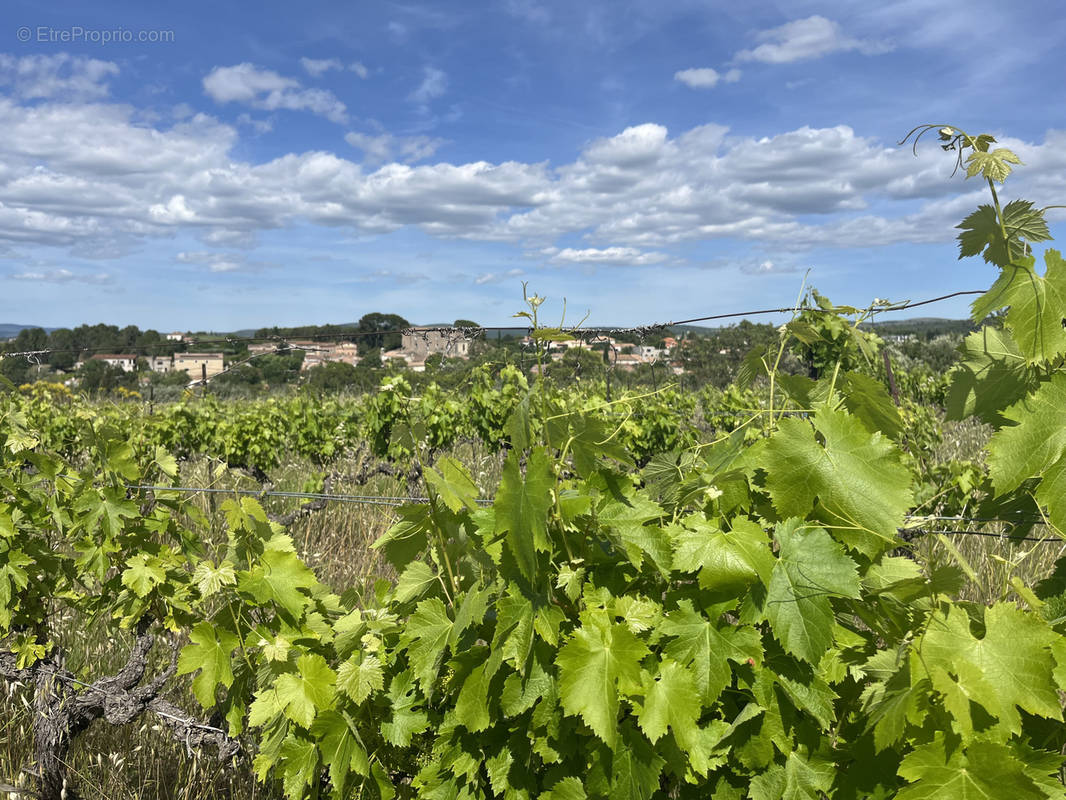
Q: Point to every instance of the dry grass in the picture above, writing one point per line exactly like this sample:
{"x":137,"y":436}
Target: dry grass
{"x":963,"y":440}
{"x":994,"y":562}
{"x":126,"y":762}
{"x":991,"y":562}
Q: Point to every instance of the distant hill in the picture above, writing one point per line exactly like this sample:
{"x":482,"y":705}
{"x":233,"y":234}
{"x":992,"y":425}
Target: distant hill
{"x":925,"y":326}
{"x":9,"y":330}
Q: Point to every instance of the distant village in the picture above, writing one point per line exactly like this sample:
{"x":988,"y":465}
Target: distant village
{"x":417,"y":345}
{"x":107,"y":358}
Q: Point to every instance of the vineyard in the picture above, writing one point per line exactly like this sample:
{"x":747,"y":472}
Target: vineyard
{"x":846,"y":582}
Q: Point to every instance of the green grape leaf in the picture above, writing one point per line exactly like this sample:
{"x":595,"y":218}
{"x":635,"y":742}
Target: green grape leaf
{"x":799,"y":778}
{"x":891,"y":704}
{"x":265,"y":709}
{"x":341,"y":748}
{"x":600,"y":660}
{"x":1022,"y":221}
{"x":625,"y":523}
{"x":300,"y":759}
{"x":1035,"y":446}
{"x":514,"y":628}
{"x":360,"y":676}
{"x":1052,"y":493}
{"x":471,"y":611}
{"x":590,"y":438}
{"x":414,"y":581}
{"x":210,"y":579}
{"x":405,"y":721}
{"x":858,"y":480}
{"x":309,"y":690}
{"x":990,"y":376}
{"x":751,"y":367}
{"x":406,"y":540}
{"x":727,"y":561}
{"x":672,"y":700}
{"x":143,"y":573}
{"x":209,"y":651}
{"x":12,"y":578}
{"x":565,"y":789}
{"x":1010,"y":667}
{"x":426,"y":638}
{"x":522,"y":508}
{"x":980,"y":230}
{"x":807,"y":690}
{"x":106,"y":507}
{"x":635,"y":769}
{"x":704,"y":648}
{"x":498,"y":768}
{"x":120,"y":456}
{"x":382,"y":781}
{"x":278,"y":579}
{"x":545,"y":334}
{"x":811,"y":568}
{"x":453,"y":484}
{"x":519,"y":695}
{"x":994,"y":165}
{"x":517,"y":425}
{"x":166,"y":462}
{"x":984,"y":771}
{"x":869,"y":400}
{"x":1037,"y":305}
{"x":472,"y":705}
{"x":1035,"y":442}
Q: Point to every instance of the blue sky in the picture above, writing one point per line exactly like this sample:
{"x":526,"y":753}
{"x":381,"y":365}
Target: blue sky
{"x":201,"y":166}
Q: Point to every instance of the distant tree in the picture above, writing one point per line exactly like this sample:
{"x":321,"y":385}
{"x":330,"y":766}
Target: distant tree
{"x":371,"y":359}
{"x":381,"y":331}
{"x":62,"y":341}
{"x":279,"y":369}
{"x":127,"y":338}
{"x":577,"y":364}
{"x":465,"y":323}
{"x":151,"y":343}
{"x":15,"y":370}
{"x":96,"y":375}
{"x":333,"y":376}
{"x":30,"y":339}
{"x":181,"y":377}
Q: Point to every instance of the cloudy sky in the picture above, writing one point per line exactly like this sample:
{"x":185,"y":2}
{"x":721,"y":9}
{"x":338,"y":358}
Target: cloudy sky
{"x":200,"y":165}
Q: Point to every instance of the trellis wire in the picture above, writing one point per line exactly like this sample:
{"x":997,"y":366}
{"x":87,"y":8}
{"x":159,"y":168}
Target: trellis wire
{"x":396,"y":501}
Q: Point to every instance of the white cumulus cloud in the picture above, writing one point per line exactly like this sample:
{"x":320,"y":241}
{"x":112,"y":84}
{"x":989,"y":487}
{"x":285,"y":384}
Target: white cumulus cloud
{"x":627,"y":256}
{"x":62,"y":276}
{"x":705,"y":77}
{"x":58,"y":75}
{"x":217,"y":261}
{"x":265,"y":89}
{"x":803,"y":39}
{"x":318,"y":66}
{"x":382,"y":147}
{"x":497,"y":277}
{"x":94,"y":177}
{"x":434,"y":84}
